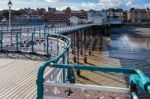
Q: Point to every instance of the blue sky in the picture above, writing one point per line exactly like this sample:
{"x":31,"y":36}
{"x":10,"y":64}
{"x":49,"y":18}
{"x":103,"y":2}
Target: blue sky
{"x":77,"y":4}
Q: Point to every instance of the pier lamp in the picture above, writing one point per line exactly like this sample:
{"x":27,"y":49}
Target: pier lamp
{"x":10,"y":6}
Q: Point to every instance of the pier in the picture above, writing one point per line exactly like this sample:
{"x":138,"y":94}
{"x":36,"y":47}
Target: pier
{"x":67,"y":52}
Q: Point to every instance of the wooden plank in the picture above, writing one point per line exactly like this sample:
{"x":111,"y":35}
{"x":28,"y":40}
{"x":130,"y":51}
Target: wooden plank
{"x":18,"y":78}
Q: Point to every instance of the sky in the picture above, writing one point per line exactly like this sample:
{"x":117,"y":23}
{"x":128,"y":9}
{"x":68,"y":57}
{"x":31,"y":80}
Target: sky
{"x":76,"y":4}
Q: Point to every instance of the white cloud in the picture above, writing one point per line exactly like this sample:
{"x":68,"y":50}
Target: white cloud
{"x":89,"y":4}
{"x":61,"y":4}
{"x":104,"y":4}
{"x":51,"y":1}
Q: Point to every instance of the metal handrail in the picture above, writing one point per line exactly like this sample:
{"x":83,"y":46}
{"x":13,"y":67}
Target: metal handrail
{"x":137,"y":77}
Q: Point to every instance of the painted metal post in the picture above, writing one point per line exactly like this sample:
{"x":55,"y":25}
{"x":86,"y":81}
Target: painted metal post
{"x":47,"y":44}
{"x":17,"y":46}
{"x":40,"y":80}
{"x":58,"y":44}
{"x":33,"y":34}
{"x":34,"y":30}
{"x":55,"y":29}
{"x":48,"y":29}
{"x":1,"y":34}
{"x":39,"y":30}
{"x":64,"y":73}
{"x":44,"y":30}
{"x":11,"y":37}
{"x":68,"y":57}
{"x":72,"y":39}
{"x":74,"y":47}
{"x":59,"y":29}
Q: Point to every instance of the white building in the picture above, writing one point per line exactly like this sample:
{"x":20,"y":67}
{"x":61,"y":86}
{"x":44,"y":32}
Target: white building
{"x":97,"y":17}
{"x":74,"y":20}
{"x":98,"y":20}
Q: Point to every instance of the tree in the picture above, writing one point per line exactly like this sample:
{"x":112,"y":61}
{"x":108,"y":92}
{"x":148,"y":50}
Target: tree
{"x":5,"y":14}
{"x":132,"y":9}
{"x":111,"y":10}
{"x":119,"y":10}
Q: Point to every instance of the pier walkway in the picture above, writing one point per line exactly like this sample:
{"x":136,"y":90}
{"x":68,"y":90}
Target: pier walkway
{"x":19,"y":71}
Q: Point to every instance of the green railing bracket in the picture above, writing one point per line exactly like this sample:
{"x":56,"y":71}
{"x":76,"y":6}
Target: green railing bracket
{"x":140,"y":80}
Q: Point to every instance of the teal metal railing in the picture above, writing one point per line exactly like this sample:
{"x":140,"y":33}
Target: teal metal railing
{"x":45,"y":85}
{"x":61,"y":72}
{"x":137,"y":77}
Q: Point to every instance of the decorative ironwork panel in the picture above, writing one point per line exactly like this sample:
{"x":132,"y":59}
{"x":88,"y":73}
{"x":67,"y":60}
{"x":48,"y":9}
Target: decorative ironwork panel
{"x":39,"y":43}
{"x":9,"y":41}
{"x":25,"y":42}
{"x":56,"y":46}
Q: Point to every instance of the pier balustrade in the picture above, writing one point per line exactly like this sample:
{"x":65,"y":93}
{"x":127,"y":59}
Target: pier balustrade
{"x":59,"y":82}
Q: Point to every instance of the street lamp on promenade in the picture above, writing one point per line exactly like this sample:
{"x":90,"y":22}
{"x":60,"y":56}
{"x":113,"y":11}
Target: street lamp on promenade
{"x":9,"y":5}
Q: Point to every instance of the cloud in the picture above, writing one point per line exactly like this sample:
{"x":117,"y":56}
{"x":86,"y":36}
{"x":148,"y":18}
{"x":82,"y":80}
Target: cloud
{"x":76,"y":4}
{"x":52,"y":1}
{"x":115,"y":3}
{"x":90,"y":4}
{"x":104,"y":4}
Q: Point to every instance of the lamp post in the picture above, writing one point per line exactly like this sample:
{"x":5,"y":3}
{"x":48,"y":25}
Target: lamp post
{"x":10,"y":5}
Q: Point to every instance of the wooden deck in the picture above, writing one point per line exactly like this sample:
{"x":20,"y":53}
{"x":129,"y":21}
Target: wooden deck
{"x":18,"y":78}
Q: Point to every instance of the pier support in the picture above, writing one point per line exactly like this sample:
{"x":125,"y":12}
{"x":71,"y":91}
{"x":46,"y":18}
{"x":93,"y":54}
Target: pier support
{"x":74,"y":40}
{"x":85,"y":58}
{"x":90,"y":39}
{"x":78,"y":46}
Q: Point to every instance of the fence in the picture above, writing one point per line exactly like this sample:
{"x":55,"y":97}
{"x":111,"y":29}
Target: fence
{"x":59,"y":81}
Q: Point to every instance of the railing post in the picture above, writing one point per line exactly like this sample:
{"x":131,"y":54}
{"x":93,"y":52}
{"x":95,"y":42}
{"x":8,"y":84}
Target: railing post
{"x":11,"y":38}
{"x":57,"y":44}
{"x":68,"y":57}
{"x":44,"y":30}
{"x":47,"y":44}
{"x":1,"y":35}
{"x":34,"y":29}
{"x":74,"y":47}
{"x":40,"y":80}
{"x":33,"y":34}
{"x":17,"y":47}
{"x":39,"y":30}
{"x":64,"y":73}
